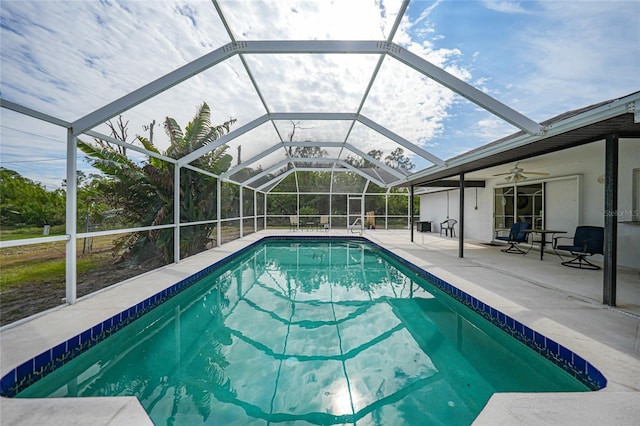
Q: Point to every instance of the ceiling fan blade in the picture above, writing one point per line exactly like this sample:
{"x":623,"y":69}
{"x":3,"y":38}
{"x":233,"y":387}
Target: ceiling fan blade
{"x":518,"y":173}
{"x":514,"y":177}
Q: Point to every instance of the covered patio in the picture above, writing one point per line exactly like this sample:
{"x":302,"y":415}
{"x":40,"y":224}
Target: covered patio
{"x":576,"y":146}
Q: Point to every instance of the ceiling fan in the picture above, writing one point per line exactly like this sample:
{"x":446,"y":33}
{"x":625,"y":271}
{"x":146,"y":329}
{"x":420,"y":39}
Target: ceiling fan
{"x":517,"y":174}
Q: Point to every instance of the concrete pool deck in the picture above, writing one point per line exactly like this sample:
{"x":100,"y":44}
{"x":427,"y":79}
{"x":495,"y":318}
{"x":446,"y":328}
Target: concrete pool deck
{"x":559,"y":302}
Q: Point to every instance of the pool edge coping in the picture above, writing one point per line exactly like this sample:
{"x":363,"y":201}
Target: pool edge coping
{"x":31,"y":370}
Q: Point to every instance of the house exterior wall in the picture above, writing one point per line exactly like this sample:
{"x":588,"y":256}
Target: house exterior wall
{"x":573,"y":181}
{"x":628,"y":232}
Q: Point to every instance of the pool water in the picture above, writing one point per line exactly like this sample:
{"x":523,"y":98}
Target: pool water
{"x":308,"y":332}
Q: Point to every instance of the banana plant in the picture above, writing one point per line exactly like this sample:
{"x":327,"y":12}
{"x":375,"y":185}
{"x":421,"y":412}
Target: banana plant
{"x":143,"y":192}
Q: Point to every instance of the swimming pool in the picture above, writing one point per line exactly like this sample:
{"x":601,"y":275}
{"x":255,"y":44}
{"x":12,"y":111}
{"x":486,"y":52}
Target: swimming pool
{"x":319,"y":331}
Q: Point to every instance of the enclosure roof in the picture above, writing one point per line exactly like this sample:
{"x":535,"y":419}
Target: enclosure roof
{"x":390,"y":91}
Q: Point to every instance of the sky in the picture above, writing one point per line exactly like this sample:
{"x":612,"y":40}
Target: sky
{"x":68,"y":58}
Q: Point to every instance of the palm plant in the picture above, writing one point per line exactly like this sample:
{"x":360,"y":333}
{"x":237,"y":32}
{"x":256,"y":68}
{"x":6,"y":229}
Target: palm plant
{"x":144,"y":192}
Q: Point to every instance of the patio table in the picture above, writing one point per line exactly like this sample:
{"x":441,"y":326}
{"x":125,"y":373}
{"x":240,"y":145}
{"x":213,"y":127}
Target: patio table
{"x":543,"y":238}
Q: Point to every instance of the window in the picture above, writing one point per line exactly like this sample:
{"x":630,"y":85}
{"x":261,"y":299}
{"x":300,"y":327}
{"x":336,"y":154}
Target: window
{"x":519,"y":203}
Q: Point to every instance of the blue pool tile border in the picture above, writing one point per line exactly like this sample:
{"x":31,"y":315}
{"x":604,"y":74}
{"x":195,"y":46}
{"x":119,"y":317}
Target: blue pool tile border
{"x":563,"y":357}
{"x":34,"y":369}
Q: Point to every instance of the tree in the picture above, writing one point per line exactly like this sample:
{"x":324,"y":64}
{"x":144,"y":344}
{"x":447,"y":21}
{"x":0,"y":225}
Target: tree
{"x":361,"y":162}
{"x":25,"y":202}
{"x":93,"y":213}
{"x":309,"y":152}
{"x":144,"y":192}
{"x":398,"y":161}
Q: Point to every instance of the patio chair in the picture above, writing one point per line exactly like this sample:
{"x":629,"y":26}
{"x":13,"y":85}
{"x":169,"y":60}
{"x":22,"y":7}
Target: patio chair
{"x":324,"y":223}
{"x":587,"y":241}
{"x":517,"y":234}
{"x":293,"y":223}
{"x":448,"y":225}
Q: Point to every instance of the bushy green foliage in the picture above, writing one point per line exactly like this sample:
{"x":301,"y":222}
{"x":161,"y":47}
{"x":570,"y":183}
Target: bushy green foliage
{"x":143,"y":193}
{"x":307,"y":211}
{"x":24,"y":202}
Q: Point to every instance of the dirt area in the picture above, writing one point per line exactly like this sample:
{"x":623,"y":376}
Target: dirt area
{"x":29,"y":299}
{"x":38,"y":293}
{"x":41,"y":290}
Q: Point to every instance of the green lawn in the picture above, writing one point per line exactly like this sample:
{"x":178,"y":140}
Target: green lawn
{"x":45,"y":263}
{"x":29,"y":232}
{"x":49,"y":271}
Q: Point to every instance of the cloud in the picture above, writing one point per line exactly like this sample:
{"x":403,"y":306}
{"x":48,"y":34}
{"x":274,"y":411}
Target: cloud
{"x":319,"y":83}
{"x":104,"y":52}
{"x":33,"y":148}
{"x":128,"y":44}
{"x":312,"y":20}
{"x":576,"y":54}
{"x":424,"y":15}
{"x":509,"y":7}
{"x":541,"y":58}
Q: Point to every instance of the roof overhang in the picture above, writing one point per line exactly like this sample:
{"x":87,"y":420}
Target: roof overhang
{"x":453,"y":183}
{"x":619,"y":117}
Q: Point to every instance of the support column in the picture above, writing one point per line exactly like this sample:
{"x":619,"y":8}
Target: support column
{"x":386,"y":209}
{"x":298,"y":204}
{"x":330,"y":206}
{"x":241,"y":198}
{"x":176,"y":213}
{"x":411,"y":211}
{"x":218,"y":213}
{"x":71,"y":219}
{"x":255,"y":211}
{"x":461,"y":219}
{"x":264,"y":216}
{"x":610,"y":220}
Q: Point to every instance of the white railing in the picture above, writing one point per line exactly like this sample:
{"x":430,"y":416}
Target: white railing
{"x":353,"y":225}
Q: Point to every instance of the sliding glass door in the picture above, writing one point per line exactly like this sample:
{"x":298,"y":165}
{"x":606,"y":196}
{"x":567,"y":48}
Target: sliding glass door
{"x":519,"y":203}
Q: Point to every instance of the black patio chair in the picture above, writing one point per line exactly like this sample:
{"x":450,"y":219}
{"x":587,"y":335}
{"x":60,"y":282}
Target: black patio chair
{"x":587,"y":241}
{"x":517,"y":234}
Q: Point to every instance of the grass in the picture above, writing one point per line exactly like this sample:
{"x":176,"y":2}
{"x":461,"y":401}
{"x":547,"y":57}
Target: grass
{"x":45,"y":263}
{"x":44,"y":272}
{"x":49,"y":272}
{"x":32,"y":277}
{"x":29,"y":232}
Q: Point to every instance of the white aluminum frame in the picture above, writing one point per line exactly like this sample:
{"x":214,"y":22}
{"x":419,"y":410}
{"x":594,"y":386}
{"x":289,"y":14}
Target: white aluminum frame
{"x":533,"y":131}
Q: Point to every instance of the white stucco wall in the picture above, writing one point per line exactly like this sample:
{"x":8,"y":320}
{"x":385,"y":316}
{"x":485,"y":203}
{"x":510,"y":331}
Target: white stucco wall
{"x":628,"y":234}
{"x":582,"y":164}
